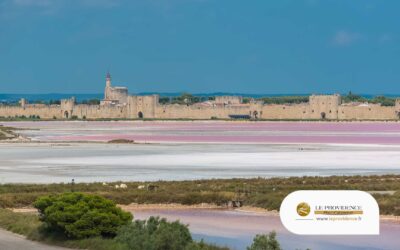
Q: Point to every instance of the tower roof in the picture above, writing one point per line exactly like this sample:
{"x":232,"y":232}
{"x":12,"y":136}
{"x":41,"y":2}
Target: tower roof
{"x":108,"y":75}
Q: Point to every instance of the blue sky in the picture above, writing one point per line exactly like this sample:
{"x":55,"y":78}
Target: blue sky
{"x":257,"y":46}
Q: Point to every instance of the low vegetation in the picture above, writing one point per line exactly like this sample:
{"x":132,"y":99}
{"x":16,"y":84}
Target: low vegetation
{"x":153,"y":234}
{"x":258,"y":192}
{"x":82,"y":221}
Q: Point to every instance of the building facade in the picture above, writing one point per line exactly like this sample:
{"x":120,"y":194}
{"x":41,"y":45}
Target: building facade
{"x":118,"y":104}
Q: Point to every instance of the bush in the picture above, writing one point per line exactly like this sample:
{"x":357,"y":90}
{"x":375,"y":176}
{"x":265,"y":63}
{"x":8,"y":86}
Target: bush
{"x":155,"y":234}
{"x":204,"y":246}
{"x":78,"y":215}
{"x":265,"y":242}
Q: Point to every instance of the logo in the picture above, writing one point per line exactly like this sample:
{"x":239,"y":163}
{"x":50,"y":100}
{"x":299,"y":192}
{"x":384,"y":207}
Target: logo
{"x":303,"y":209}
{"x":330,"y":212}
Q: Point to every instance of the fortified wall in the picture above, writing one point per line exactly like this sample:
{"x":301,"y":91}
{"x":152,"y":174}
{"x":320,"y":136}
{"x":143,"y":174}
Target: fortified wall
{"x":117,"y":104}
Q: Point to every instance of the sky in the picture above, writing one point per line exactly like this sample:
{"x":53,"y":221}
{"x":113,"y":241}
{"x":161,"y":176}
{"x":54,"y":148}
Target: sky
{"x":200,"y":46}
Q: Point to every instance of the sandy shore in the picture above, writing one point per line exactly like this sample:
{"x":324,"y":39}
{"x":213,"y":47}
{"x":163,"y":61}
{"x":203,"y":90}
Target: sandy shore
{"x":173,"y":206}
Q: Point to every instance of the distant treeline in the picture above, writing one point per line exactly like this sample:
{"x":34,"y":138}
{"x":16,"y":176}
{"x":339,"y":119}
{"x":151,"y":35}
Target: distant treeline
{"x":284,"y":99}
{"x":383,"y":100}
{"x":184,"y":98}
{"x":187,"y":98}
{"x":93,"y":101}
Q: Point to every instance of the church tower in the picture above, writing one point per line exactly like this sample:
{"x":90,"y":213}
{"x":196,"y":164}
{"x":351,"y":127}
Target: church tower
{"x":108,"y":87}
{"x":108,"y":80}
{"x":114,"y":95}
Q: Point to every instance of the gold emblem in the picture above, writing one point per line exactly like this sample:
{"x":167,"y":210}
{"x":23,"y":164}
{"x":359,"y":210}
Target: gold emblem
{"x":303,"y":209}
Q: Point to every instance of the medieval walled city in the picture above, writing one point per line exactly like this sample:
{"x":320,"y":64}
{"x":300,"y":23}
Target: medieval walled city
{"x":118,"y":104}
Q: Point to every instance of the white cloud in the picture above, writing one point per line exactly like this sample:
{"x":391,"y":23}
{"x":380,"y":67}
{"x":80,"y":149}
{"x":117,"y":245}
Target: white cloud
{"x":345,"y":38}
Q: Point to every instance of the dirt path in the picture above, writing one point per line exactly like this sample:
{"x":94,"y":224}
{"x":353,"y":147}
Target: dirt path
{"x":11,"y":241}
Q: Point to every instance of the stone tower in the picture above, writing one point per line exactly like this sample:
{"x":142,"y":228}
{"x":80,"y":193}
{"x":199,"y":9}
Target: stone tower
{"x":108,"y":86}
{"x":108,"y":80}
{"x":67,"y":107}
{"x":325,"y":106}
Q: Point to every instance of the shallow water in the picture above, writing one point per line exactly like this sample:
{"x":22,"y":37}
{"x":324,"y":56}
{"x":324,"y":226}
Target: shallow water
{"x":236,"y":230}
{"x":85,"y":162}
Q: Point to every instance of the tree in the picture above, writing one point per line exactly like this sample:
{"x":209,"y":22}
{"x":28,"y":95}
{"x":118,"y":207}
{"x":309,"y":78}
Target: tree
{"x":265,"y":242}
{"x":54,"y":102}
{"x":164,"y":100}
{"x":186,"y":98}
{"x":78,"y":215}
{"x":94,"y":101}
{"x":155,"y":234}
{"x":384,"y":101}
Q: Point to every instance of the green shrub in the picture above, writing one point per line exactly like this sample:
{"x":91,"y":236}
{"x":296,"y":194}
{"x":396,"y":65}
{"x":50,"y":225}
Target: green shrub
{"x":265,"y":242}
{"x":201,"y":245}
{"x":79,"y":215}
{"x":155,"y":234}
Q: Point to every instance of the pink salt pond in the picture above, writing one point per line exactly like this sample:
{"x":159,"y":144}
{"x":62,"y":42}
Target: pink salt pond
{"x":214,"y":131}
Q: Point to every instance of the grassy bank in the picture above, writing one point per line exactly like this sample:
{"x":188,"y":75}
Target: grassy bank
{"x":258,"y":192}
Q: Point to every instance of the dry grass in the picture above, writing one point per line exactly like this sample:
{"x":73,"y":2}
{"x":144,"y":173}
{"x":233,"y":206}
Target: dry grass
{"x":258,"y":192}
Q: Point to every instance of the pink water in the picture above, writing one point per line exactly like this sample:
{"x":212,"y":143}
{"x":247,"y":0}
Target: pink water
{"x":215,"y":131}
{"x":236,"y":229}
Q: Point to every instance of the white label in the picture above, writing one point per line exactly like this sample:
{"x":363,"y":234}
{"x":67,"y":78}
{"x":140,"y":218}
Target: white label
{"x":330,"y":213}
